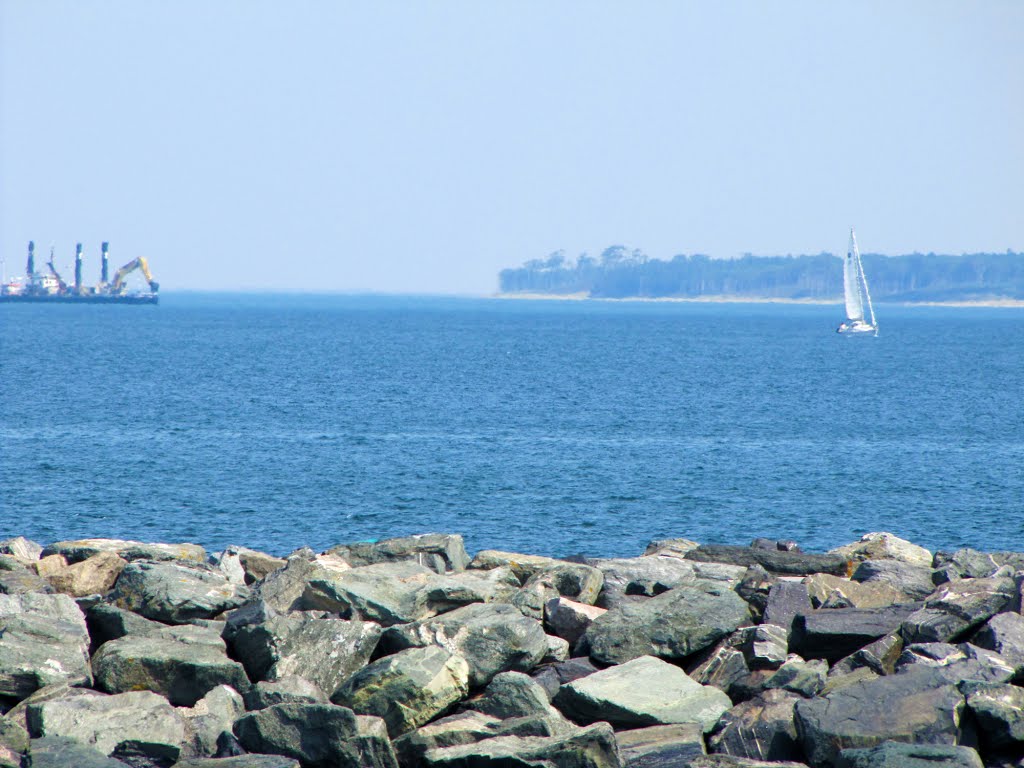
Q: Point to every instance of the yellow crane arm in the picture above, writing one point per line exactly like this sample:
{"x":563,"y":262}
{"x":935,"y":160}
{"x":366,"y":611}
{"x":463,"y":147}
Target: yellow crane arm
{"x":141,"y":264}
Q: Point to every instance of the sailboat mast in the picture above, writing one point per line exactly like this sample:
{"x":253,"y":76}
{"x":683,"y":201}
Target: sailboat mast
{"x":863,"y":279}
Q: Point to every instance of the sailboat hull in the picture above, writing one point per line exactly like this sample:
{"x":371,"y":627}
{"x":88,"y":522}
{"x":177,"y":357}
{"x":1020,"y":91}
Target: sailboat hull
{"x":856,"y":326}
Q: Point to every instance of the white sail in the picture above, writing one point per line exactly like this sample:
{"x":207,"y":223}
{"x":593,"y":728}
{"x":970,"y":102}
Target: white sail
{"x":851,"y":283}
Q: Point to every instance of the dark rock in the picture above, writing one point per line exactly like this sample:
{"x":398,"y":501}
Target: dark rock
{"x":761,"y":729}
{"x":640,"y":692}
{"x":43,"y":640}
{"x":568,"y":619}
{"x":512,"y":694}
{"x":777,"y":545}
{"x":76,"y":551}
{"x":492,"y":638}
{"x":317,"y":735}
{"x":750,"y":685}
{"x":786,"y":601}
{"x":918,"y":705}
{"x":764,"y":646}
{"x":108,"y":622}
{"x":386,"y":593}
{"x":407,"y":689}
{"x":754,"y":587}
{"x":58,"y":752}
{"x":283,"y":588}
{"x":183,"y":666}
{"x":175,"y":593}
{"x":1003,"y":633}
{"x":454,"y":730}
{"x":675,"y":624}
{"x":957,"y":608}
{"x":805,"y":678}
{"x":879,"y":656}
{"x":790,"y":563}
{"x":999,"y":710}
{"x":915,"y":581}
{"x":137,"y":723}
{"x":592,"y":747}
{"x":728,"y":761}
{"x":837,"y":632}
{"x":660,"y":746}
{"x":287,"y":690}
{"x":438,"y":551}
{"x":13,"y":743}
{"x":894,"y":754}
{"x":324,"y":651}
{"x":721,"y":665}
{"x":957,"y":662}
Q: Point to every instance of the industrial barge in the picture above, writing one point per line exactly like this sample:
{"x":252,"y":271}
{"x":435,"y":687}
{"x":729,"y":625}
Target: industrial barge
{"x":51,"y":287}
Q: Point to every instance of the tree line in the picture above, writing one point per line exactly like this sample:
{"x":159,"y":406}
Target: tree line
{"x":620,"y":272}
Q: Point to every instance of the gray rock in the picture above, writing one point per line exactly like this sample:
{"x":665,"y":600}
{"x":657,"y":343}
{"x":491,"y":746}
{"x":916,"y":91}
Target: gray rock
{"x":407,"y":689}
{"x":492,"y":638}
{"x":971,"y":564}
{"x":19,"y":580}
{"x":764,"y":646}
{"x":43,"y":640}
{"x":386,"y":593}
{"x":894,"y":754}
{"x":241,"y":761}
{"x":918,"y":705}
{"x":675,"y":624}
{"x":108,"y":622}
{"x":324,"y":651}
{"x":755,"y":587}
{"x":660,"y":746}
{"x":212,"y":716}
{"x":551,"y":677}
{"x":833,"y":633}
{"x":568,"y":619}
{"x":512,"y":694}
{"x":466,"y":727}
{"x":670,"y":547}
{"x":885,"y":546}
{"x":13,"y":743}
{"x":317,"y":735}
{"x":592,"y":747}
{"x":641,"y":576}
{"x":76,"y":551}
{"x":288,"y":690}
{"x":915,"y":581}
{"x":834,"y":591}
{"x":255,"y":565}
{"x":21,"y":548}
{"x":957,"y":608}
{"x":438,"y":551}
{"x":523,"y":566}
{"x":999,"y":710}
{"x":761,"y":729}
{"x":722,"y":665}
{"x":558,"y":650}
{"x":786,"y":601}
{"x":282,"y":588}
{"x":790,"y":563}
{"x":957,"y":662}
{"x":18,"y":713}
{"x":728,"y":761}
{"x":183,"y":665}
{"x":879,"y":656}
{"x":59,"y":752}
{"x":453,"y":590}
{"x":805,"y":678}
{"x":578,"y":582}
{"x":128,"y":723}
{"x":644,"y":691}
{"x":175,"y":593}
{"x":1003,"y":633}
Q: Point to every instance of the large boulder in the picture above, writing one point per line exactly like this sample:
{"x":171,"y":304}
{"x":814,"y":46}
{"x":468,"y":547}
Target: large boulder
{"x":672,"y":625}
{"x":1003,"y":633}
{"x":660,"y":746}
{"x":957,"y":662}
{"x":576,"y":581}
{"x":255,"y":565}
{"x":762,"y":728}
{"x":523,"y":566}
{"x":139,"y":722}
{"x":453,"y":590}
{"x":999,"y":711}
{"x":76,"y":551}
{"x":43,"y":640}
{"x":513,"y":694}
{"x":592,"y":747}
{"x":438,"y":551}
{"x":568,"y":619}
{"x":492,"y":638}
{"x":832,"y":633}
{"x":317,"y":735}
{"x":287,"y":690}
{"x":919,"y":705}
{"x":971,"y":564}
{"x":324,"y":651}
{"x":407,"y":689}
{"x":210,"y":718}
{"x":773,"y":561}
{"x":895,"y":754}
{"x":830,"y":591}
{"x":282,"y":589}
{"x":17,"y":578}
{"x":958,"y":607}
{"x":641,"y":576}
{"x":174,"y":593}
{"x":60,"y":752}
{"x":108,"y":622}
{"x":21,"y":548}
{"x":182,"y":664}
{"x":93,"y":576}
{"x":786,"y":600}
{"x":885,"y":546}
{"x":13,"y":743}
{"x":644,"y":691}
{"x":386,"y":593}
{"x":915,"y":581}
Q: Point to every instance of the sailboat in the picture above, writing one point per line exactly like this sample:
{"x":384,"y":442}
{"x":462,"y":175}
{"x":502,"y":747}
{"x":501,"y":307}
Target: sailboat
{"x":855,"y":289}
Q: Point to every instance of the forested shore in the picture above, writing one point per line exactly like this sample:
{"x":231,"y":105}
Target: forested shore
{"x":620,"y":272}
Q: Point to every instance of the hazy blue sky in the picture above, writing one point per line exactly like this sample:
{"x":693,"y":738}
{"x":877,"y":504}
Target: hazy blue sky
{"x":422,"y":146}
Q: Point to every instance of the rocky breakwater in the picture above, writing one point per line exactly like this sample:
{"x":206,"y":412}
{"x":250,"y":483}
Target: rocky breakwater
{"x":408,"y":653}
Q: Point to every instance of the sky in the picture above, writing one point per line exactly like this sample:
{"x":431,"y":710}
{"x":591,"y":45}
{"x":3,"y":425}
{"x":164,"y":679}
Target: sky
{"x":421,"y":147}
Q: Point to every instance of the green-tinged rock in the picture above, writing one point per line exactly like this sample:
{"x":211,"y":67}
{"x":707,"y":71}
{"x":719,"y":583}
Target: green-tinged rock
{"x":440,"y":552}
{"x":211,"y":716}
{"x":175,"y":593}
{"x":640,"y":692}
{"x":407,"y":689}
{"x":386,"y":593}
{"x":76,"y":551}
{"x":43,"y":640}
{"x":241,"y":761}
{"x":999,"y":710}
{"x":660,"y":746}
{"x":318,"y":736}
{"x":592,"y":747}
{"x":894,"y":754}
{"x":59,"y":752}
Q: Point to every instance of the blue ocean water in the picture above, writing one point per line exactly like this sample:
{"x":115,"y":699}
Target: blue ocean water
{"x":541,"y":426}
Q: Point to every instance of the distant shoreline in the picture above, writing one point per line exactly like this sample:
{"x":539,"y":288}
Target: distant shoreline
{"x":726,"y":299}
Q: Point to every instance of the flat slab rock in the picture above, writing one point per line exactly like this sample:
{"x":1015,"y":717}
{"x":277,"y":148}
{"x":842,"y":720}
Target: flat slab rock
{"x":644,"y":691}
{"x":660,"y":746}
{"x":894,"y":754}
{"x":76,"y":551}
{"x":773,"y":561}
{"x":592,"y":747}
{"x":175,"y":593}
{"x":440,"y":552}
{"x":241,"y":761}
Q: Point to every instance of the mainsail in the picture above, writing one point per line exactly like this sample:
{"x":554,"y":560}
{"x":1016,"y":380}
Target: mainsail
{"x":851,"y":282}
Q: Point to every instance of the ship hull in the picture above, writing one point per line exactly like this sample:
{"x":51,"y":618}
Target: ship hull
{"x":65,"y":299}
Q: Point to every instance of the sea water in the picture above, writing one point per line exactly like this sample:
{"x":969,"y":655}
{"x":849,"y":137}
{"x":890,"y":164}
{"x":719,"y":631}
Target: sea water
{"x":547,"y":427}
